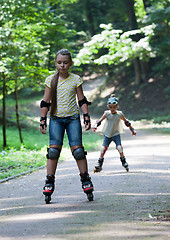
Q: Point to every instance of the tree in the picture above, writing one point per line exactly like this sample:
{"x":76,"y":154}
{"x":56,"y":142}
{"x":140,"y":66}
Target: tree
{"x":27,"y":31}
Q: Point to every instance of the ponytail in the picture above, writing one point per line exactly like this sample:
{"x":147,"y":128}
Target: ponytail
{"x":54,"y":94}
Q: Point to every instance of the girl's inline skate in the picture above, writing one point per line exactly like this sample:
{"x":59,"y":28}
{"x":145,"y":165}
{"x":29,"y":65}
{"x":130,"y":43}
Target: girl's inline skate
{"x":49,"y":187}
{"x":99,"y":165}
{"x":87,"y":185}
{"x":124,"y":163}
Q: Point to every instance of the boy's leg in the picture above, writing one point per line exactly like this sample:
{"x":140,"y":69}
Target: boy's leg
{"x":119,"y":147}
{"x":98,"y":166}
{"x":106,"y":143}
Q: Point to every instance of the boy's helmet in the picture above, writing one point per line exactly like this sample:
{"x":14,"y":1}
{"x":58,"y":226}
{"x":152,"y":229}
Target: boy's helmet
{"x":112,"y":100}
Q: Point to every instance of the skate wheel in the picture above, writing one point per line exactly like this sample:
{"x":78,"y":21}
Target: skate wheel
{"x":47,"y":199}
{"x":97,"y":170}
{"x":90,"y":196}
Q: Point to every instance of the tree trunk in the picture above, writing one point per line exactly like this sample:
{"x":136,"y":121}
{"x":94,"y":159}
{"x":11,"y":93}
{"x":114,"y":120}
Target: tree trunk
{"x":133,"y":25}
{"x":17,"y":114}
{"x":89,"y":17}
{"x":146,"y":3}
{"x":138,"y":73}
{"x":4,"y":111}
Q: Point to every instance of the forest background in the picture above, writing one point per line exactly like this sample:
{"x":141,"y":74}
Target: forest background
{"x":126,"y":42}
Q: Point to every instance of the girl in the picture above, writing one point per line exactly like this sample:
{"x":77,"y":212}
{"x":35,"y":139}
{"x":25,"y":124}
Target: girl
{"x":60,"y":95}
{"x":112,"y":130}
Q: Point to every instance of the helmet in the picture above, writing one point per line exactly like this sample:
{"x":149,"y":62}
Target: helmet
{"x":112,"y":100}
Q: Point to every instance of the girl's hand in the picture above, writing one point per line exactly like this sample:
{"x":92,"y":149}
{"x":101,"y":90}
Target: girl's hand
{"x":43,"y":125}
{"x":87,"y":121}
{"x":43,"y":130}
{"x":87,"y":126}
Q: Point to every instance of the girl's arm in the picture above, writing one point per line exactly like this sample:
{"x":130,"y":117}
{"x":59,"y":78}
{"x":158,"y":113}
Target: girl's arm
{"x":84,"y":107}
{"x":44,"y":109}
{"x":128,"y":124}
{"x":98,"y":122}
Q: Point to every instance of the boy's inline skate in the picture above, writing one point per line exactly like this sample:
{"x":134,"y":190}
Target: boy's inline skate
{"x":124,"y":163}
{"x":98,"y":167}
{"x":87,"y":185}
{"x":49,"y":187}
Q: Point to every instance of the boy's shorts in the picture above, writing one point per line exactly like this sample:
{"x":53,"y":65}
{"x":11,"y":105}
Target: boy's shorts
{"x":116,"y":139}
{"x":71,"y":124}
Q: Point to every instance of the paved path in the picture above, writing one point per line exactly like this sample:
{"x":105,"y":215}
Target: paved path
{"x":132,"y":205}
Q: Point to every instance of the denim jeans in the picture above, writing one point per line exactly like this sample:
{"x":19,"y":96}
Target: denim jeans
{"x":73,"y":128}
{"x":116,"y":139}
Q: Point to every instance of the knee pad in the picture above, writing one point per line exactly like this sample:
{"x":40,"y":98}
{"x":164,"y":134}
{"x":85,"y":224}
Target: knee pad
{"x":103,"y":149}
{"x":119,"y":148}
{"x":53,"y":153}
{"x":79,"y":153}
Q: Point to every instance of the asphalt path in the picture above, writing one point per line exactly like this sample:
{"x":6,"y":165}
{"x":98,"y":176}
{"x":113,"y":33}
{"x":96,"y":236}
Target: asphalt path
{"x":133,"y":205}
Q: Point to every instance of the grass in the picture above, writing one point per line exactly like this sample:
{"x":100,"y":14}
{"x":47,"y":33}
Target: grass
{"x":16,"y":159}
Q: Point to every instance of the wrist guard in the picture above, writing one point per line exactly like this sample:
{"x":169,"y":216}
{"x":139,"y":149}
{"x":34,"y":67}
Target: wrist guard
{"x":132,"y":130}
{"x":84,"y":101}
{"x":98,"y":123}
{"x":86,"y":120}
{"x":127,"y":123}
{"x":45,"y":104}
{"x":44,"y":119}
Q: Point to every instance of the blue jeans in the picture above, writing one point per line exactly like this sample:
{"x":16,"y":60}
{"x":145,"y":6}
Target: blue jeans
{"x":116,"y":139}
{"x":71,"y":124}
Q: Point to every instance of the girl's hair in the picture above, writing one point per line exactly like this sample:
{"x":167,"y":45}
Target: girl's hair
{"x":55,"y":81}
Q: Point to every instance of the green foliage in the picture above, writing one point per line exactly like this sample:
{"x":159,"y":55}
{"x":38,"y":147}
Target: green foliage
{"x":159,"y":15}
{"x":30,"y":31}
{"x":120,"y":46}
{"x":167,"y":92}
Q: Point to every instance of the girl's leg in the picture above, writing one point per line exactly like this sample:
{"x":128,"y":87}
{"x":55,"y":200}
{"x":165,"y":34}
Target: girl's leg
{"x":52,"y":163}
{"x":56,"y":142}
{"x":82,"y":163}
{"x":53,"y":153}
{"x":74,"y":133}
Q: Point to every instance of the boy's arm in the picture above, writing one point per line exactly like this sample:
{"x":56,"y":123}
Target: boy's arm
{"x":128,"y":124}
{"x":98,"y":122}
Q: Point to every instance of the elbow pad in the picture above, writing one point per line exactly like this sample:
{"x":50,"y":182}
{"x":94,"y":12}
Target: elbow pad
{"x":84,"y":101}
{"x":44,"y":104}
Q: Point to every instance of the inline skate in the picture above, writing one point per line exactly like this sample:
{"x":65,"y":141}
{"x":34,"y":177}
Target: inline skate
{"x":87,"y":185}
{"x":98,"y":167}
{"x":49,"y":187}
{"x":124,"y":163}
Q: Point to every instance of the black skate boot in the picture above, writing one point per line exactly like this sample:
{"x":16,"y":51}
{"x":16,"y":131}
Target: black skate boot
{"x":98,"y":167}
{"x":124,"y":163}
{"x":87,"y":185}
{"x":49,"y":187}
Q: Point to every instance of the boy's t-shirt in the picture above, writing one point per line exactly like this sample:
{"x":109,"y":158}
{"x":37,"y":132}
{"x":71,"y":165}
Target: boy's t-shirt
{"x":66,"y":95}
{"x":113,"y":124}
